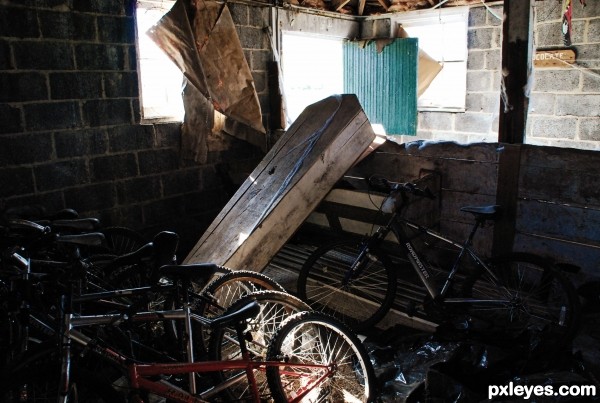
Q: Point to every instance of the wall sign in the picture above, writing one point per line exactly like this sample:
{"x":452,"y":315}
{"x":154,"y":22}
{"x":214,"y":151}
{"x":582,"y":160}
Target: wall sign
{"x":554,"y":58}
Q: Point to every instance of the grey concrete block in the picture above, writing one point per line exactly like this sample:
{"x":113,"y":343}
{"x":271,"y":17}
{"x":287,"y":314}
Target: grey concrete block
{"x":67,"y":25}
{"x":481,"y":38}
{"x":47,"y":55}
{"x":116,"y":29}
{"x":476,"y":60}
{"x":168,"y":135}
{"x":138,"y":190}
{"x":113,"y":167}
{"x":477,"y":17}
{"x":91,"y":198}
{"x":52,"y":115}
{"x":130,"y":138}
{"x":253,"y":38}
{"x":578,"y":32}
{"x":435,"y":121}
{"x":260,"y":81}
{"x":479,"y":81}
{"x":80,"y":143}
{"x":91,"y":56}
{"x":20,"y":87}
{"x":473,"y":122}
{"x":25,"y":148}
{"x":10,"y":119}
{"x":239,"y":13}
{"x":259,"y":59}
{"x":593,"y":30}
{"x":553,"y":127}
{"x":76,"y":85}
{"x":158,"y":161}
{"x":541,"y":103}
{"x":258,"y":17}
{"x":16,"y":181}
{"x":182,"y":181}
{"x":107,"y":112}
{"x":99,"y":6}
{"x":548,"y":10}
{"x":589,"y":129}
{"x":591,"y":10}
{"x":548,"y":34}
{"x":488,"y":102}
{"x":556,"y":80}
{"x":121,"y":85}
{"x":5,"y":56}
{"x":578,"y":105}
{"x":493,"y":59}
{"x":591,"y":81}
{"x":57,"y":175}
{"x":492,"y":15}
{"x":16,"y":22}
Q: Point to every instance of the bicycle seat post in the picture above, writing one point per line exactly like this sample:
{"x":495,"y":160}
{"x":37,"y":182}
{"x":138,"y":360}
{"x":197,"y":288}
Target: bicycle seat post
{"x":188,"y":337}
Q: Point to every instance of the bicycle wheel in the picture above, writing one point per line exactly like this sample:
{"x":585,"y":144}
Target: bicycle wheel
{"x":541,"y":306}
{"x":275,"y":307}
{"x":360,"y":300}
{"x":316,"y":338}
{"x":122,"y":240}
{"x":230,"y":287}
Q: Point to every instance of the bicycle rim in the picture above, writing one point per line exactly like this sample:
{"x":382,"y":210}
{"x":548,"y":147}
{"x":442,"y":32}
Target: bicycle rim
{"x":540,"y":308}
{"x":362,"y":301}
{"x":275,"y":307}
{"x":316,"y":338}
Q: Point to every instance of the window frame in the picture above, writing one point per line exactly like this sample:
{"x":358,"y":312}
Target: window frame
{"x":170,"y":114}
{"x":429,"y":18}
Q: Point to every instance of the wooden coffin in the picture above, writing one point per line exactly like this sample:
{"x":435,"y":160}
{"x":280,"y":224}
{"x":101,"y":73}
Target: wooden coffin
{"x":295,"y":175}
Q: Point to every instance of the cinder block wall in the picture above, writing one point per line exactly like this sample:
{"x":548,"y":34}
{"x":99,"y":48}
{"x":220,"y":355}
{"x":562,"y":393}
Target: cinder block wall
{"x":70,"y":125}
{"x":564,"y":102}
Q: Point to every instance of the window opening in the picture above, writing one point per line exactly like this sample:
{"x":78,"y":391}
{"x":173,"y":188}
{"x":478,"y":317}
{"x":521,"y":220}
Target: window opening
{"x":160,"y":79}
{"x":312,"y":69}
{"x":442,"y":34}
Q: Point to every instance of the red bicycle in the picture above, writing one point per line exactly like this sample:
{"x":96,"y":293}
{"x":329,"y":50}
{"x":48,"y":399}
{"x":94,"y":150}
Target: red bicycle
{"x":312,"y":356}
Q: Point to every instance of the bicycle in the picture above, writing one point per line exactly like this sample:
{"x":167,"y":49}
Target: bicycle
{"x":519,"y":294}
{"x":319,"y":356}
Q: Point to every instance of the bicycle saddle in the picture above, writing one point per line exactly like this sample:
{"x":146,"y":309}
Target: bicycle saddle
{"x":245,"y":312}
{"x":483,"y":212}
{"x":188,"y":271}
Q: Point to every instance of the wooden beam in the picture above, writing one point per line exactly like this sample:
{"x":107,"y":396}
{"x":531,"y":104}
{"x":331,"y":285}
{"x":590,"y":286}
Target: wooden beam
{"x":517,"y":44}
{"x":507,"y":190}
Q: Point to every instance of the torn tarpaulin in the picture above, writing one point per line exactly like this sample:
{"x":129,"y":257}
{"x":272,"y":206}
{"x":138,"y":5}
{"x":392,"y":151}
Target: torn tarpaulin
{"x":202,"y":41}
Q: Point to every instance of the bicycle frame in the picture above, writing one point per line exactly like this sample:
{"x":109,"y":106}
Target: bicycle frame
{"x":395,"y":225}
{"x":139,"y":373}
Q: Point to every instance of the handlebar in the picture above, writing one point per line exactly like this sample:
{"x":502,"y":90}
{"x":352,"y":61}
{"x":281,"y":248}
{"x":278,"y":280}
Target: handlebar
{"x":387,"y":186}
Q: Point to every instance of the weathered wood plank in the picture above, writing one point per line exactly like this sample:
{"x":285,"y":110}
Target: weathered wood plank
{"x":287,"y":185}
{"x":559,"y":221}
{"x":583,"y":256}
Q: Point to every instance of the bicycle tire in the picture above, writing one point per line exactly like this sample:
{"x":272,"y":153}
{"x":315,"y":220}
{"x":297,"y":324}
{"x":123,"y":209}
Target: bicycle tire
{"x":230,"y":287}
{"x":275,"y":307}
{"x":317,"y":338}
{"x":365,"y":300}
{"x":122,"y":240}
{"x":543,"y":308}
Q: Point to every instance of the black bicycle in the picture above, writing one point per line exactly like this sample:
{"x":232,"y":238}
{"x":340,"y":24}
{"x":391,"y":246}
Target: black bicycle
{"x":512,"y":296}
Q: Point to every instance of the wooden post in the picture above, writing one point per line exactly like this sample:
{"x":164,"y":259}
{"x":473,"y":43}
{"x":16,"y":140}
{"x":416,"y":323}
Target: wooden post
{"x":517,"y":34}
{"x":517,"y":44}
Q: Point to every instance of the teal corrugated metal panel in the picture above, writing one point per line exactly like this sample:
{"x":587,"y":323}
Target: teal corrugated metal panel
{"x":385,"y":83}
